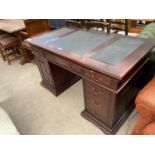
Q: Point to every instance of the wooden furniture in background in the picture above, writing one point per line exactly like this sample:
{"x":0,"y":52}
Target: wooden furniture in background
{"x":3,"y":36}
{"x":137,"y":25}
{"x":57,"y":23}
{"x":74,"y":23}
{"x":145,"y":105}
{"x":97,"y":24}
{"x":11,"y":26}
{"x":9,"y":46}
{"x":111,"y":76}
{"x":118,"y":25}
{"x":33,"y":27}
{"x":36,"y":26}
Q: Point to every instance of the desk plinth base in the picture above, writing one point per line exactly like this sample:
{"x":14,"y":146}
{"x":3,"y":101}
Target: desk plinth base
{"x":102,"y":126}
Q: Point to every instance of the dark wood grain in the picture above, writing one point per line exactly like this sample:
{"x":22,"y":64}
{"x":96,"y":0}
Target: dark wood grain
{"x":109,"y":90}
{"x":116,"y":71}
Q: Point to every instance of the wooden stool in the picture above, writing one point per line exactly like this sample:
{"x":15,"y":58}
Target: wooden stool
{"x":9,"y":46}
{"x":145,"y":105}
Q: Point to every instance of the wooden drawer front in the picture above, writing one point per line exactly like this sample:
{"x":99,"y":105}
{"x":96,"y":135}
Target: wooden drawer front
{"x":37,"y":52}
{"x":97,"y":106}
{"x":97,"y":101}
{"x":100,"y":78}
{"x":95,"y":90}
{"x":70,"y":65}
{"x":61,"y":61}
{"x":75,"y":67}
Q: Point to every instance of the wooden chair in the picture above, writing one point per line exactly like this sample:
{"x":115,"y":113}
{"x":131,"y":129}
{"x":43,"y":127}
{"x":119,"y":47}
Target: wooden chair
{"x":2,"y":36}
{"x":97,"y":24}
{"x":9,"y":45}
{"x":33,"y":27}
{"x":118,"y":25}
{"x":74,"y":23}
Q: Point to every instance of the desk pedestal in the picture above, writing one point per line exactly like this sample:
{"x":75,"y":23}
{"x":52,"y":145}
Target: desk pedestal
{"x":108,"y":102}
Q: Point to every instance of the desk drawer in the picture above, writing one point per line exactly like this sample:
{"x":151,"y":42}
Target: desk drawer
{"x":100,"y":78}
{"x":95,"y":90}
{"x":97,"y":107}
{"x":61,"y":61}
{"x":69,"y":65}
{"x":96,"y":100}
{"x":75,"y":67}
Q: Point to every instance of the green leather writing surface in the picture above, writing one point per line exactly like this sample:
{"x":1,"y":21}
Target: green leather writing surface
{"x":117,"y":51}
{"x":52,"y":35}
{"x":79,"y":42}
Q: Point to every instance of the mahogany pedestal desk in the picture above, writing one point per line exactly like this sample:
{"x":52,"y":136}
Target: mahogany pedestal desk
{"x":113,"y":68}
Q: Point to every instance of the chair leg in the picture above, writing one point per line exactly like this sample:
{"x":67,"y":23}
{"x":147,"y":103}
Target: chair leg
{"x":3,"y":57}
{"x":108,"y":29}
{"x":7,"y":57}
{"x":126,"y":26}
{"x":17,"y":50}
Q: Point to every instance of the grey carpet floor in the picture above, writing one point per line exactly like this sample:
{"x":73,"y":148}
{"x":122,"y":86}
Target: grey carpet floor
{"x":35,"y":111}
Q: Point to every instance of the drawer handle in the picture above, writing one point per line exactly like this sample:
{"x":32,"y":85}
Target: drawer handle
{"x":96,"y":92}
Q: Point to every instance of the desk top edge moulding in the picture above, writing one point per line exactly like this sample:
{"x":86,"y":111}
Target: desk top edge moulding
{"x":95,"y":51}
{"x":113,"y":69}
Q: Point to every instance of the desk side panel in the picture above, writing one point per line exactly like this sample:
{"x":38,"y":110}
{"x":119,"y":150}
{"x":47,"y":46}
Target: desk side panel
{"x":54,"y":78}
